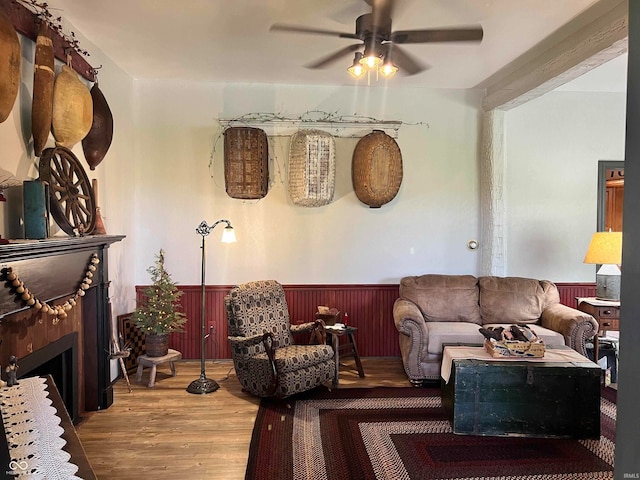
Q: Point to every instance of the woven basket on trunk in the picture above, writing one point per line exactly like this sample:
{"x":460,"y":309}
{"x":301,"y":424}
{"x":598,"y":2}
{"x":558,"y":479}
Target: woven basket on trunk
{"x":312,"y":168}
{"x":376,"y":169}
{"x":246,"y":162}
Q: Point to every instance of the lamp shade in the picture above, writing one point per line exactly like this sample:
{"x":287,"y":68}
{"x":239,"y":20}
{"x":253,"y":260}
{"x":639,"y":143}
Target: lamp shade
{"x":228,"y":235}
{"x":605,"y":248}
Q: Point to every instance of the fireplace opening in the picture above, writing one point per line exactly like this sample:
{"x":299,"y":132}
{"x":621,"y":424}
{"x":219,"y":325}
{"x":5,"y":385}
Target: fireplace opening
{"x":60,"y":360}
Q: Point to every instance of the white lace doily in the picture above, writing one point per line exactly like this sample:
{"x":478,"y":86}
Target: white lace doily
{"x":33,"y":431}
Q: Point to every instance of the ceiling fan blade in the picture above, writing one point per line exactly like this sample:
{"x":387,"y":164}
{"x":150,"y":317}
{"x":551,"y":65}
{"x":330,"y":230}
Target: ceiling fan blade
{"x":407,"y":64}
{"x":329,"y":59}
{"x":282,"y":27}
{"x":464,"y":34}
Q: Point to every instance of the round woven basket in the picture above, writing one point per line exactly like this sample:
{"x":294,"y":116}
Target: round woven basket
{"x":9,"y":66}
{"x":312,"y":168}
{"x":376,"y":169}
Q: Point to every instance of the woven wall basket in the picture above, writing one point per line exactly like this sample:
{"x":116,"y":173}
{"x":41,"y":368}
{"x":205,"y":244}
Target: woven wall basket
{"x":312,"y":168}
{"x":376,"y":169}
{"x":246,"y":162}
{"x":9,"y":66}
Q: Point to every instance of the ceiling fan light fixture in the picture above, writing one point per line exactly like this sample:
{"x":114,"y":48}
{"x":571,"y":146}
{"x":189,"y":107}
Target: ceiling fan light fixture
{"x":371,"y":61}
{"x":357,"y":69}
{"x":388,"y":69}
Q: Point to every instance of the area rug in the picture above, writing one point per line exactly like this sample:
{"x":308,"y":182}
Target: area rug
{"x":404,"y":433}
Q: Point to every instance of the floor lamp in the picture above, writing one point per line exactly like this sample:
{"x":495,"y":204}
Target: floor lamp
{"x":203,"y":384}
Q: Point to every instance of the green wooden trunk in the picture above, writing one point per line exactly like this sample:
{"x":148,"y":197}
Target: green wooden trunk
{"x":519,"y":398}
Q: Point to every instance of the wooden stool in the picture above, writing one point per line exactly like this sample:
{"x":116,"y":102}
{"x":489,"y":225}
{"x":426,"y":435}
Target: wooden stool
{"x":349,"y":348}
{"x":153,"y":362}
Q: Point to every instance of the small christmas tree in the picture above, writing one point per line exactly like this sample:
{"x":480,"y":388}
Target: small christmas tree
{"x":159,"y":312}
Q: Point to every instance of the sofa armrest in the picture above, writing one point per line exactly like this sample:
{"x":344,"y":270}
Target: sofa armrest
{"x":575,"y":326}
{"x":406,"y":311}
{"x":414,"y":337}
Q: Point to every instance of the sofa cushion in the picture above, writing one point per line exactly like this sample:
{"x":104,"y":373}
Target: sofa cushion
{"x":451,"y":332}
{"x":514,"y":299}
{"x":443,"y":298}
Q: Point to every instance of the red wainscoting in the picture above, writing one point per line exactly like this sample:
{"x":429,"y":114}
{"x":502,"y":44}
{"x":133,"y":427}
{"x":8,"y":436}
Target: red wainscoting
{"x":370,"y":308}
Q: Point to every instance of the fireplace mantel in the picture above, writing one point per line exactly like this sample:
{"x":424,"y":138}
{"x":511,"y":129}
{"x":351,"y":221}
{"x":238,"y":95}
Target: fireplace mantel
{"x":22,"y":249}
{"x":53,"y":269}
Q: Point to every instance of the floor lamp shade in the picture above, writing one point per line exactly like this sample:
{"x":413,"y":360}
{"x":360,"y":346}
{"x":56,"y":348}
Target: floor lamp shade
{"x":606,"y":249}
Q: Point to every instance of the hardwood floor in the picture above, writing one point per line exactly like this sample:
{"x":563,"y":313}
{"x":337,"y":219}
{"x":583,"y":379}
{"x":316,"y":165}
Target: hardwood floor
{"x":166,"y":433}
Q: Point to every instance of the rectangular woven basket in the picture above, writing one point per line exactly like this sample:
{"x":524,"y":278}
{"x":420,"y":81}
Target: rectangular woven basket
{"x":515,"y":348}
{"x":312,"y":168}
{"x":246,"y":162}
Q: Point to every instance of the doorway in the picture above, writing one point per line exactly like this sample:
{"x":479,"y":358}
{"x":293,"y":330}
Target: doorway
{"x":610,"y":195}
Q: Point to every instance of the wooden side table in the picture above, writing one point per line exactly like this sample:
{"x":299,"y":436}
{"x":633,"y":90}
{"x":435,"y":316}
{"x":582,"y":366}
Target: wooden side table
{"x":606,"y":313}
{"x":153,"y":362}
{"x":349,"y":348}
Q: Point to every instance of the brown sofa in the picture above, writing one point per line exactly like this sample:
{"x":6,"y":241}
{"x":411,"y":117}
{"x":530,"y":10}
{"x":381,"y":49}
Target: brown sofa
{"x":437,"y":309}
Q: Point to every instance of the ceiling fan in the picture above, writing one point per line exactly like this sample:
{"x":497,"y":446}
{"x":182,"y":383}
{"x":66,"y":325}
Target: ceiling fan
{"x":381,"y":45}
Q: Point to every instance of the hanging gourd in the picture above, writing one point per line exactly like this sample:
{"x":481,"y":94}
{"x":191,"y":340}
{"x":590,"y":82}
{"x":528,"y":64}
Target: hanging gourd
{"x":72,"y":109}
{"x":43,"y":80}
{"x":97,"y":142}
{"x":9,"y":66}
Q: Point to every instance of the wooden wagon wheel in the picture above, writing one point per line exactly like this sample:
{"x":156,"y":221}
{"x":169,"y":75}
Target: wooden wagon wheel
{"x":73,"y":204}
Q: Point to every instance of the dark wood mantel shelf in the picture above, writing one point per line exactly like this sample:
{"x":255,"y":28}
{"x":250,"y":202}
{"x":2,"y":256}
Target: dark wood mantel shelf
{"x":21,"y":249}
{"x":52,"y":270}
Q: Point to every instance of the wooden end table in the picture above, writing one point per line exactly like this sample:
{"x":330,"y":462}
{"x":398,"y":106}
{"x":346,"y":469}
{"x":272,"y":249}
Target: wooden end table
{"x":349,"y":348}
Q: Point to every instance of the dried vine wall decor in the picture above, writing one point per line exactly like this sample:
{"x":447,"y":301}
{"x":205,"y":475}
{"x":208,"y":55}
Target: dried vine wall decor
{"x":28,"y":15}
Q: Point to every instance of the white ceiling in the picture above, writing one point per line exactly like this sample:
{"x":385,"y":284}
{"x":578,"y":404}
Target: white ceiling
{"x":229,"y":40}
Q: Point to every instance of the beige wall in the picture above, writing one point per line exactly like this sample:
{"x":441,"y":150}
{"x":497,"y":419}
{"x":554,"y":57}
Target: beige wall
{"x":424,"y":229}
{"x":554,"y":144}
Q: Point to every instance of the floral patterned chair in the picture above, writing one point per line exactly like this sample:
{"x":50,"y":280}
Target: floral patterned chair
{"x":266,"y":360}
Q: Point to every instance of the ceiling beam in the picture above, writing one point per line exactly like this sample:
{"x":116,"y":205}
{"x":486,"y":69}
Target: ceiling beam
{"x":594,"y":37}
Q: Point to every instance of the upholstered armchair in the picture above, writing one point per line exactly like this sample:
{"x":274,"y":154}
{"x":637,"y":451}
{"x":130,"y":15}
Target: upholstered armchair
{"x":266,"y":359}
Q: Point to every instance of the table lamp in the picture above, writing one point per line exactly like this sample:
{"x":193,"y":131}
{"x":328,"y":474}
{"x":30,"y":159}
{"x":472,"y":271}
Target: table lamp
{"x":605,"y":249}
